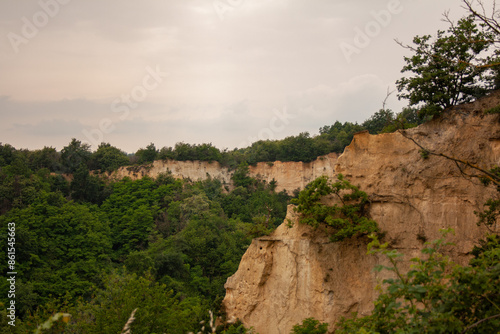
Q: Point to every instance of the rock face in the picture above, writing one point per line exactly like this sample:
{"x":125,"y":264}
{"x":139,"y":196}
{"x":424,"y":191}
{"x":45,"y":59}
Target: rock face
{"x":297,"y":273}
{"x":289,"y":175}
{"x":294,"y":175}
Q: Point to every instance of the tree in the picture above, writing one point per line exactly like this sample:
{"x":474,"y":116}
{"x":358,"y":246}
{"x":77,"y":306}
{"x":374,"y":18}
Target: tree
{"x":447,"y":70}
{"x":7,"y":154}
{"x":240,"y":176}
{"x":47,"y":157}
{"x":148,"y":154}
{"x":108,"y":158}
{"x":75,"y":154}
{"x":85,"y":187}
{"x":61,"y":247}
{"x":378,"y":121}
{"x":157,"y":309}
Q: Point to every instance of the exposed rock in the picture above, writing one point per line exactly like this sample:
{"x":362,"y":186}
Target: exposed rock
{"x":297,"y":273}
{"x":294,"y":175}
{"x":288,"y":175}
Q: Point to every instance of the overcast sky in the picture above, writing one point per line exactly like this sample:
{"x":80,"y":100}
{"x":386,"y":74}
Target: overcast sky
{"x":226,"y":72}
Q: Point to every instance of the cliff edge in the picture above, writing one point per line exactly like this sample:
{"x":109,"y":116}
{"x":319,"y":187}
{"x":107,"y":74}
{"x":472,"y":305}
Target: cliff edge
{"x":297,"y":273}
{"x":288,"y":175}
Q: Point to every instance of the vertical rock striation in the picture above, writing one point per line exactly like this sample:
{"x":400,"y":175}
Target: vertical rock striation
{"x":288,"y":175}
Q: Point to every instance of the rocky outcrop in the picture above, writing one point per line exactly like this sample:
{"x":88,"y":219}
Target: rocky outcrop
{"x":297,"y":273}
{"x":288,"y":175}
{"x":194,"y":170}
{"x":294,"y":175}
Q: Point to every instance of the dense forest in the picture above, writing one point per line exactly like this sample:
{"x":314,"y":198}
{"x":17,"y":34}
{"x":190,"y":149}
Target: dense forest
{"x":98,"y":249}
{"x":162,"y":245}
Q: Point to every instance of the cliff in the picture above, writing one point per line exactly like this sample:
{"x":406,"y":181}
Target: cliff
{"x":297,"y":273}
{"x":289,"y":175}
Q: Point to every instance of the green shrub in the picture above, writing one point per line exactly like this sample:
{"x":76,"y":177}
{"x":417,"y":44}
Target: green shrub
{"x":310,"y":326}
{"x":436,"y":295}
{"x":348,"y":219}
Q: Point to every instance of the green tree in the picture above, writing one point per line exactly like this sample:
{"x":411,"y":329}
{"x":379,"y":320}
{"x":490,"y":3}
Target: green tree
{"x":447,"y":70}
{"x":310,"y":326}
{"x":339,"y":135}
{"x":148,"y":154}
{"x":240,"y":176}
{"x":61,"y":247}
{"x":86,"y":187}
{"x":47,"y":157}
{"x":108,"y":158}
{"x":157,"y":309}
{"x":75,"y":154}
{"x":131,"y":210}
{"x":7,"y":154}
{"x":378,"y":121}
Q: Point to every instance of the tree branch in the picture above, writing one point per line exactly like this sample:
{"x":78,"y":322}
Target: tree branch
{"x":490,"y":22}
{"x":459,"y":162}
{"x":479,"y":322}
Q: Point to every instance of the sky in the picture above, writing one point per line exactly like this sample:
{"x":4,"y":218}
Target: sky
{"x":226,"y":72}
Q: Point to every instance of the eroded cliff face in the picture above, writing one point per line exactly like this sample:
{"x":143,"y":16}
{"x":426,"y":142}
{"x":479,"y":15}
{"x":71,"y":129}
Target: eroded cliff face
{"x":297,"y":273}
{"x":289,"y":175}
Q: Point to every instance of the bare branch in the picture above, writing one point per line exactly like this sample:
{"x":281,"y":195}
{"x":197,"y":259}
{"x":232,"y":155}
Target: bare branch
{"x":480,"y":321}
{"x":490,"y":22}
{"x":459,"y":162}
{"x":389,"y":93}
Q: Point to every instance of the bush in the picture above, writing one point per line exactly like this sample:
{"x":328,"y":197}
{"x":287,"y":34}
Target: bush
{"x":310,"y":326}
{"x":435,"y":296}
{"x":348,"y":219}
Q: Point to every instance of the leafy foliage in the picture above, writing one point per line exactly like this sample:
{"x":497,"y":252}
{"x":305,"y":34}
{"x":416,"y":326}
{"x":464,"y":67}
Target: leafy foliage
{"x":447,"y":70}
{"x":74,"y":155}
{"x":435,"y":296}
{"x":348,"y":219}
{"x":61,"y":247}
{"x":108,"y":158}
{"x":177,"y":241}
{"x":148,"y":154}
{"x":379,"y":121}
{"x":310,"y":326}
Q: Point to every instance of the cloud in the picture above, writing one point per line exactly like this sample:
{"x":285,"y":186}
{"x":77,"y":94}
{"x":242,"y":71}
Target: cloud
{"x":49,"y":128}
{"x":354,"y":100}
{"x":30,"y":112}
{"x":227,"y":77}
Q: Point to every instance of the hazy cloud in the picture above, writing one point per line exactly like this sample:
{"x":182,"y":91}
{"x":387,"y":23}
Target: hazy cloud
{"x":226,"y":78}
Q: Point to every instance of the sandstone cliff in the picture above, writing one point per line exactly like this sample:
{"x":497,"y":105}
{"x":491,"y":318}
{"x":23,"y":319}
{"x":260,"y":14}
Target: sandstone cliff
{"x":289,"y":175}
{"x":297,"y":273}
